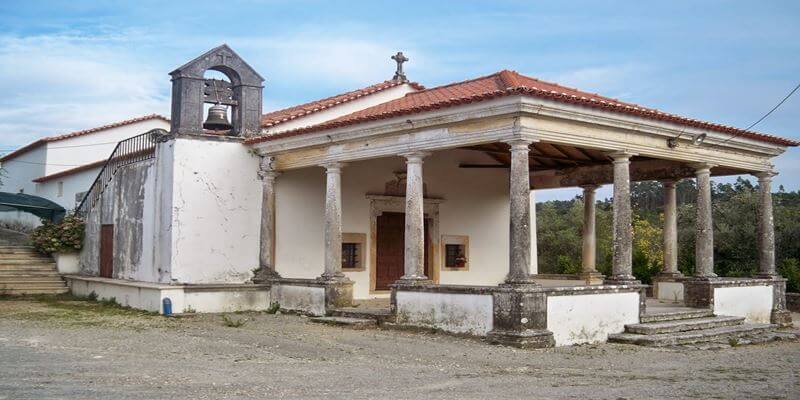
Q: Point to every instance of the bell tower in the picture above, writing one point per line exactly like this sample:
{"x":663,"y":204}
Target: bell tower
{"x":191,"y":90}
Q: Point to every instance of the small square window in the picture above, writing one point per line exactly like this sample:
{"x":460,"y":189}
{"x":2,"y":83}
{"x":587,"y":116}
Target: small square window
{"x":350,"y":255}
{"x":454,"y":256}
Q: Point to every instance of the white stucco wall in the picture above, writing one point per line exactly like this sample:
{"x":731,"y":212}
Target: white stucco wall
{"x":345,"y":108}
{"x":304,"y":299}
{"x":452,"y":312}
{"x":76,"y":151}
{"x":475,"y":204}
{"x":590,"y":318}
{"x":73,"y":185}
{"x":752,"y":302}
{"x":215,"y":211}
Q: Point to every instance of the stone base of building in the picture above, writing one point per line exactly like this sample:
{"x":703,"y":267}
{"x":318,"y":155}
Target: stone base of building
{"x":529,"y":339}
{"x":184,"y":298}
{"x":311,"y":296}
{"x":759,"y":300}
{"x":338,"y":293}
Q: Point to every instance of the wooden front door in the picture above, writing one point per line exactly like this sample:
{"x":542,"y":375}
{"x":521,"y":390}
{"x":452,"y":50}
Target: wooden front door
{"x":390,"y":249}
{"x":106,"y":250}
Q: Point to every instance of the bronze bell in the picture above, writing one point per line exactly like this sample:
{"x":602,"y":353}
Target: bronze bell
{"x":217,"y":119}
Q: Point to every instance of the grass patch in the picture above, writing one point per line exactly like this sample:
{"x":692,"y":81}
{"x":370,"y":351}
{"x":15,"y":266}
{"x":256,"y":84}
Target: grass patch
{"x":233,"y":323}
{"x":80,"y":311}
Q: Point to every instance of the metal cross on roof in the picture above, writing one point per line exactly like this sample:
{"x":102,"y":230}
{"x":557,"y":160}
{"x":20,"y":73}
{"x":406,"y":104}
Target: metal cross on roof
{"x":399,"y":75}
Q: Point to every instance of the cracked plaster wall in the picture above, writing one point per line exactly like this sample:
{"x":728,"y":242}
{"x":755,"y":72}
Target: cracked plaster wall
{"x":213,"y":223}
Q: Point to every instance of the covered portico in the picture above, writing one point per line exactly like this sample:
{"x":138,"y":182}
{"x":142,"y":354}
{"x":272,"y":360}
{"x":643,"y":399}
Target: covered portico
{"x":537,"y":141}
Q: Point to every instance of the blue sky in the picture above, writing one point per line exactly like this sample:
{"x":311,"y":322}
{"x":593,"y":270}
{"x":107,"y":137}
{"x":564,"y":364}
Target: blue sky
{"x":72,"y":65}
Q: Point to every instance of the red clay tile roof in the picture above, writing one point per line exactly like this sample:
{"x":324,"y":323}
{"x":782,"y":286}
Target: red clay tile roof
{"x":39,"y":142}
{"x":70,"y":171}
{"x":508,"y":83}
{"x":274,"y":118}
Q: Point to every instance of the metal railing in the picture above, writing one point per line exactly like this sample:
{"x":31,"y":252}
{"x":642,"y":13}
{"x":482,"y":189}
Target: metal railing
{"x":129,"y":151}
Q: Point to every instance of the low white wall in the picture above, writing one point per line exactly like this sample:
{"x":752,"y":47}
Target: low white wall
{"x":451,"y":312}
{"x":139,"y":297}
{"x":590,"y":318}
{"x":67,"y":263}
{"x":305,"y":299}
{"x":214,"y":301}
{"x":150,"y":297}
{"x":670,"y":291}
{"x":752,"y":302}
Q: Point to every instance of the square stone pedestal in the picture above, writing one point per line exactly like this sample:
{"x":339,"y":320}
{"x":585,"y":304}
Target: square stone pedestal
{"x":338,"y":293}
{"x":520,"y":317}
{"x":593,"y":278}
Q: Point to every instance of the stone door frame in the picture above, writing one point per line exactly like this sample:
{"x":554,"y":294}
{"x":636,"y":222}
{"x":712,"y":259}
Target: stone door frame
{"x":378,"y":204}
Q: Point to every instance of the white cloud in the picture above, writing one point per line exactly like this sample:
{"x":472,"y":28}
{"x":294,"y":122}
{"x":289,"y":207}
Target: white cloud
{"x":64,"y":82}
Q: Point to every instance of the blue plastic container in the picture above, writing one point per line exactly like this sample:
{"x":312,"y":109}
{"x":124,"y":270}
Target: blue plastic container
{"x":167,"y":306}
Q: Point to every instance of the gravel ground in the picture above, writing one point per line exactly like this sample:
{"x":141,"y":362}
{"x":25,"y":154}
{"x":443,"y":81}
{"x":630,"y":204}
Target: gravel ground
{"x":83,"y":350}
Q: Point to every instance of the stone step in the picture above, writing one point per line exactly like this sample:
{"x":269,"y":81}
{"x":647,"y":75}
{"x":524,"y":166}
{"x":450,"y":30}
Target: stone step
{"x":379,"y":315}
{"x":677,"y":315}
{"x":28,"y":272}
{"x":27,"y":261}
{"x":32,"y":284}
{"x":355,"y":323}
{"x":17,"y":250}
{"x":34,"y":290}
{"x":683,"y":325}
{"x":31,"y":265}
{"x":30,"y":277}
{"x":695,"y":336}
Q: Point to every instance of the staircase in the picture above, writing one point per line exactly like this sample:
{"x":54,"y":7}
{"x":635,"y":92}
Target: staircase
{"x":691,"y":327}
{"x":25,"y":271}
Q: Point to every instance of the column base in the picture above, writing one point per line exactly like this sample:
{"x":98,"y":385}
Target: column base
{"x":528,"y":339}
{"x":522,"y":280}
{"x":264,"y":275}
{"x":593,"y":277}
{"x":520,"y":316}
{"x":622,"y":280}
{"x":338,"y":291}
{"x":698,"y":291}
{"x":669,"y":276}
{"x":404,"y":281}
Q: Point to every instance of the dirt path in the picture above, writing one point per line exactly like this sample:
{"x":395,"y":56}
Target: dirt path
{"x":68,"y":349}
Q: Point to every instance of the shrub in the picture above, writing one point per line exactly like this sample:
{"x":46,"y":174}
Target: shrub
{"x":64,"y":236}
{"x":790,"y":269}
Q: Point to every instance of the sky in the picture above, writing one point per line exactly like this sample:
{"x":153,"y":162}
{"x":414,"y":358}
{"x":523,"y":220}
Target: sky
{"x":71,"y":65}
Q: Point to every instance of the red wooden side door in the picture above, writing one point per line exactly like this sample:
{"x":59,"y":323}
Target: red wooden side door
{"x":390,"y":249}
{"x":106,"y":250}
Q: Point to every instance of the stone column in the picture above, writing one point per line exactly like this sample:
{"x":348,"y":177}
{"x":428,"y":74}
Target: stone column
{"x":267,"y":244}
{"x":670,"y":230}
{"x":622,"y":252}
{"x":333,"y":223}
{"x":414,"y":262}
{"x":520,"y":205}
{"x":704,"y":238}
{"x":766,"y":226}
{"x":589,"y":250}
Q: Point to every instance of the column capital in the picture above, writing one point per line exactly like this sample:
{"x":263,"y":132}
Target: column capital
{"x":702,"y":167}
{"x":268,"y":175}
{"x":621,"y":155}
{"x":670,"y":182}
{"x":589,"y":187}
{"x":519,"y":143}
{"x":415,"y":156}
{"x":765,"y":175}
{"x":333,"y":167}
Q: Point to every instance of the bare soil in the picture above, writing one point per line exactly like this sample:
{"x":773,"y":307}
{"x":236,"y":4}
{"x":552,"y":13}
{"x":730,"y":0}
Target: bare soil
{"x":64,"y":348}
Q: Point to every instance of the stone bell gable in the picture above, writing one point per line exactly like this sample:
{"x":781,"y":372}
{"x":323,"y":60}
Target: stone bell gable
{"x":190,"y":90}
